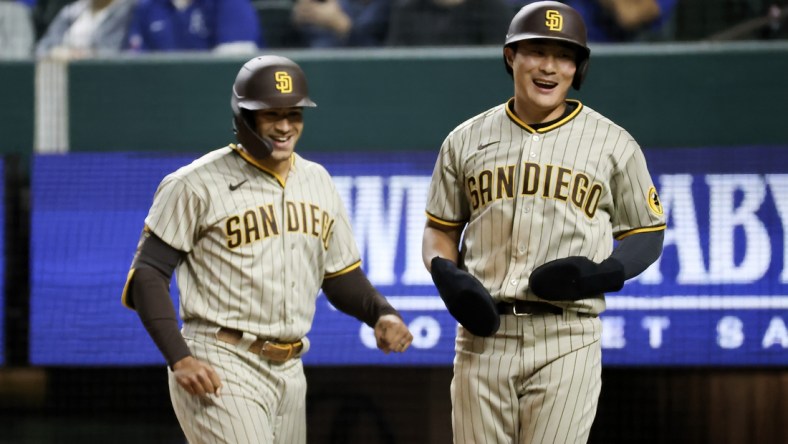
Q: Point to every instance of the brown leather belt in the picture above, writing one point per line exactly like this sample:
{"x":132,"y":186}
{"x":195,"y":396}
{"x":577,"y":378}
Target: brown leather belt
{"x":271,"y":350}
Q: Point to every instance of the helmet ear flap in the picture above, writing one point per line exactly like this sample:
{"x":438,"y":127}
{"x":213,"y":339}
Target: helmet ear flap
{"x":580,"y":73}
{"x":245,"y":131}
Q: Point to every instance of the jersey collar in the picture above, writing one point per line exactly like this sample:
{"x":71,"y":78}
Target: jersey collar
{"x":545,"y":129}
{"x":247,"y":157}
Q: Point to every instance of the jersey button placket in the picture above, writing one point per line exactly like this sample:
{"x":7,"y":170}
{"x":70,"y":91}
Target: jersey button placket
{"x":534,"y":145}
{"x":290,"y":257}
{"x":519,"y":249}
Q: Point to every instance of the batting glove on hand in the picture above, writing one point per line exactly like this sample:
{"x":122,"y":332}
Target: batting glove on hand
{"x":576,"y":277}
{"x":465,"y":298}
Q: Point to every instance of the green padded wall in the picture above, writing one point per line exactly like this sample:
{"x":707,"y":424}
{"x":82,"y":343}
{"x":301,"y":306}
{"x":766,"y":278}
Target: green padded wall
{"x":16,"y":106}
{"x":666,"y":95}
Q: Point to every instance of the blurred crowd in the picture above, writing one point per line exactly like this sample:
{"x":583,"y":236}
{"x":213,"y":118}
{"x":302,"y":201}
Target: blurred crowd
{"x":69,"y":29}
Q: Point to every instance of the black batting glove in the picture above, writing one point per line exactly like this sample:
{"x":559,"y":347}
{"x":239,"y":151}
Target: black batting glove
{"x":576,"y":277}
{"x":465,"y":298}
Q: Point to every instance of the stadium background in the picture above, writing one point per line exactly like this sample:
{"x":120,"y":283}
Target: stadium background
{"x":673,"y":97}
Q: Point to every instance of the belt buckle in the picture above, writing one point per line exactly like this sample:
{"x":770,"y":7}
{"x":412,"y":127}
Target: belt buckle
{"x":277,"y":352}
{"x":516,"y":313}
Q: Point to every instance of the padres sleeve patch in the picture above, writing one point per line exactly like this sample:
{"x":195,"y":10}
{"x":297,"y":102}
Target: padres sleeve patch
{"x":653,"y":201}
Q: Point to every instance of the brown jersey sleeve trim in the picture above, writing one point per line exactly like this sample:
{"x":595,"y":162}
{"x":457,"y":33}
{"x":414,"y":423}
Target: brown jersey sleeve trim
{"x":152,"y":252}
{"x":443,"y":222}
{"x":342,"y":271}
{"x":640,"y":230}
{"x":124,"y":297}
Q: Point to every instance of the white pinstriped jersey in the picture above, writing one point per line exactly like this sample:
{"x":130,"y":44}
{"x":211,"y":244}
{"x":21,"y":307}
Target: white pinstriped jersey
{"x":530,"y":196}
{"x":258,"y":247}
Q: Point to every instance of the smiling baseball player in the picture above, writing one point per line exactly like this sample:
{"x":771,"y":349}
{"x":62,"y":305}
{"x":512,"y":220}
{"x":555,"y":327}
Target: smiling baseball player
{"x":254,"y":231}
{"x":525,"y":201}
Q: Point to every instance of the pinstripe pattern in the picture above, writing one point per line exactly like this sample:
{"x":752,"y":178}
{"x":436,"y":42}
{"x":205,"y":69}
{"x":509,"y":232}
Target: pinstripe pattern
{"x":261,"y":402}
{"x":509,"y":233}
{"x":537,"y":380}
{"x":258,"y":249}
{"x":244,"y":271}
{"x":526,"y":197}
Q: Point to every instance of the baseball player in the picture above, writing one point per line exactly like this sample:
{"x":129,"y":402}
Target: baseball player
{"x":525,"y":201}
{"x":253,"y":231}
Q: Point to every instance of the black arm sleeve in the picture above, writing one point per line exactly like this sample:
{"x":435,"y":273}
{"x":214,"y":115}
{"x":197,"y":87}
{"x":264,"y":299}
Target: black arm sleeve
{"x":149,"y":295}
{"x":353,"y":294}
{"x":638,"y":251}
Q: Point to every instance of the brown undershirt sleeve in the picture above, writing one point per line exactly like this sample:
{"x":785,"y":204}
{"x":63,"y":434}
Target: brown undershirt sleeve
{"x":152,"y":299}
{"x":353,"y":294}
{"x":149,"y":293}
{"x":638,"y":251}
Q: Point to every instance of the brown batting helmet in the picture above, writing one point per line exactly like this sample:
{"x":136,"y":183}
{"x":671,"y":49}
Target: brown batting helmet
{"x":264,"y":82}
{"x":553,"y":21}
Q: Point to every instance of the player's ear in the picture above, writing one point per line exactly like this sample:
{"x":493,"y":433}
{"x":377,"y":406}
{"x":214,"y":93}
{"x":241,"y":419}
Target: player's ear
{"x":508,"y":55}
{"x":509,"y":52}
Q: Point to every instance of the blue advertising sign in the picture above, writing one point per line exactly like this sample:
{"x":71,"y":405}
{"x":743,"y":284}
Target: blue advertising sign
{"x":718,"y":295}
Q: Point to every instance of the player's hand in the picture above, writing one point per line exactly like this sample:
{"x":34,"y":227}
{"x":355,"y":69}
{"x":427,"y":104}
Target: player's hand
{"x":392,"y":334}
{"x":197,"y":377}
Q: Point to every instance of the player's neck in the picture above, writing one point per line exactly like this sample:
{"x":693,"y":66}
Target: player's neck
{"x":539,"y":118}
{"x":272,"y":164}
{"x":280,"y":167}
{"x":534,"y":116}
{"x":569,"y":108}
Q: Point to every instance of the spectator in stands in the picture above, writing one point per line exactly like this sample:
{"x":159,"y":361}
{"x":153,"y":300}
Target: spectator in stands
{"x":339,"y":23}
{"x":626,"y":20}
{"x":448,"y":22}
{"x":44,"y":12}
{"x":86,"y":28}
{"x":623,"y":20}
{"x":225,"y":26}
{"x":16,"y":30}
